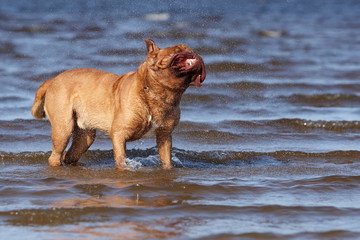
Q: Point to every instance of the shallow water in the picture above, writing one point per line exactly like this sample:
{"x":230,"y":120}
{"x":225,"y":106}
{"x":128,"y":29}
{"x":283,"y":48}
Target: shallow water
{"x":268,"y":148}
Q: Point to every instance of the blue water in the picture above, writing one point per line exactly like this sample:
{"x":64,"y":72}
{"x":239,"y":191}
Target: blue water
{"x":267,"y":149}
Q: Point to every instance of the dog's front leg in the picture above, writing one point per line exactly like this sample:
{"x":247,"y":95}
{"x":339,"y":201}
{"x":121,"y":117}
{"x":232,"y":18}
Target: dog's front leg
{"x":164,"y":144}
{"x":119,"y":146}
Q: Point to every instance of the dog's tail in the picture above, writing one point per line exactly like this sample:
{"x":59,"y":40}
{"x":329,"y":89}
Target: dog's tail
{"x":37,"y":109}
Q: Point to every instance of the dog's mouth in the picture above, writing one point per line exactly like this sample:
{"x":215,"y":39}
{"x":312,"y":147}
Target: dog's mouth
{"x":191,"y":65}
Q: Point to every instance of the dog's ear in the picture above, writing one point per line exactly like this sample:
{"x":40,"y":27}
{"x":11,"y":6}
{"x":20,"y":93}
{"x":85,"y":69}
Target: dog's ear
{"x":151,"y":46}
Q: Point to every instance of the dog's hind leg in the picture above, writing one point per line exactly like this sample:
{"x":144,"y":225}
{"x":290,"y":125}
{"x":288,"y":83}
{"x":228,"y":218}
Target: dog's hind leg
{"x":82,"y":140}
{"x":60,"y":134}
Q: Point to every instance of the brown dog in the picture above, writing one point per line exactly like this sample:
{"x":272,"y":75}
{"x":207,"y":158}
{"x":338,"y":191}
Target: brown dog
{"x":79,"y":101}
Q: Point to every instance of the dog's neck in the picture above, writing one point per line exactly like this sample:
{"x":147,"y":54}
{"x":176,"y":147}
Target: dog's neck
{"x":156,"y":91}
{"x":156,"y":97}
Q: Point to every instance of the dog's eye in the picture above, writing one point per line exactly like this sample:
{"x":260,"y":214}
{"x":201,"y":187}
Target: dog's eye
{"x":163,"y":63}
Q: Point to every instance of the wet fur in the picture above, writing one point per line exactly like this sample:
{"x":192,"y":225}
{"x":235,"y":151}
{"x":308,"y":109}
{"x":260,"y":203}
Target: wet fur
{"x":79,"y":101}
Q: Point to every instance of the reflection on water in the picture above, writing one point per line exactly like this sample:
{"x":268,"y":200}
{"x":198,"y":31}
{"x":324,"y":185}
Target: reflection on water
{"x":212,"y":189}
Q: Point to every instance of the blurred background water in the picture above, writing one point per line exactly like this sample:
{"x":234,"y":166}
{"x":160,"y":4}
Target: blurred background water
{"x":267,"y":148}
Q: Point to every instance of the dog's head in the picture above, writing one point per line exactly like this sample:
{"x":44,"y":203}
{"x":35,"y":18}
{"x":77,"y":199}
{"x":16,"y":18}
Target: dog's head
{"x":176,"y":67}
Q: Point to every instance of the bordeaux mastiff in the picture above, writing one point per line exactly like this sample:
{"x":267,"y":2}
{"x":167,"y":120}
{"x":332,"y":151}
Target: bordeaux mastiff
{"x":79,"y":101}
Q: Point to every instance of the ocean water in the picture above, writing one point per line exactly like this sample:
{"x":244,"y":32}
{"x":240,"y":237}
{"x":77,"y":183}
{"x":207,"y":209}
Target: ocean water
{"x":268,"y":148}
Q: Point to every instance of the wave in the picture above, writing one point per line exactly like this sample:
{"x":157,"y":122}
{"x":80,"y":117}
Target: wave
{"x":45,"y":76}
{"x":353,"y":75}
{"x":229,"y":66}
{"x":336,"y":234}
{"x":32,"y":29}
{"x":7,"y":47}
{"x":324,"y":100}
{"x":229,"y":131}
{"x":236,"y":67}
{"x":328,"y":182}
{"x":244,"y":86}
{"x":284,"y":85}
{"x":190,"y":159}
{"x":296,"y":125}
{"x":121,"y":52}
{"x":207,"y":99}
{"x":207,"y":50}
{"x":303,"y":125}
{"x":56,"y":216}
{"x":172,"y":34}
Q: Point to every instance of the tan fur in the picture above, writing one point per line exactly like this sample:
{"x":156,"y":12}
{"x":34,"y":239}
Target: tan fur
{"x":79,"y":101}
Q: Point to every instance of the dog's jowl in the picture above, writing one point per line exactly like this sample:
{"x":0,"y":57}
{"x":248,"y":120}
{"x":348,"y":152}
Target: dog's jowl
{"x":79,"y":101}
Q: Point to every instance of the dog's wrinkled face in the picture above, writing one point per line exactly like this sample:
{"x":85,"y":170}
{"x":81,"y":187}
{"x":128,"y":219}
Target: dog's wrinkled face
{"x":176,"y":67}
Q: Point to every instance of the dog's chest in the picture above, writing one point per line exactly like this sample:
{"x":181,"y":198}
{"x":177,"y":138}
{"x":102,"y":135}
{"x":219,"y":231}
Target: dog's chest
{"x":152,"y":125}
